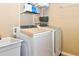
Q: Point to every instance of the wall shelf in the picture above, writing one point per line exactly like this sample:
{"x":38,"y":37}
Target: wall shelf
{"x":29,"y":12}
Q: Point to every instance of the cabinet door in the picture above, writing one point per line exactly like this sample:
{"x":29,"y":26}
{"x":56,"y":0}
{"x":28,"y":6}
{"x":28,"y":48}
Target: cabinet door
{"x":42,"y":45}
{"x":11,"y":52}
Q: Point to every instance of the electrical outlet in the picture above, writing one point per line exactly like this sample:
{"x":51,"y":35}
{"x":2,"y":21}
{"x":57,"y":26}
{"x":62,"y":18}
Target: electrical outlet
{"x":14,"y":30}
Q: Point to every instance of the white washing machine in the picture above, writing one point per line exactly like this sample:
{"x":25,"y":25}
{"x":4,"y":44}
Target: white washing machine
{"x":41,"y":44}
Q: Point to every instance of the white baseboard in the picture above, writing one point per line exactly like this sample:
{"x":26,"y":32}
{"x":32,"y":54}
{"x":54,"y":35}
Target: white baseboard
{"x":67,"y":54}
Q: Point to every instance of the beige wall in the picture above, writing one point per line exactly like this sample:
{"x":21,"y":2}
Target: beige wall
{"x":27,"y":18}
{"x":9,"y":17}
{"x":67,"y":18}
